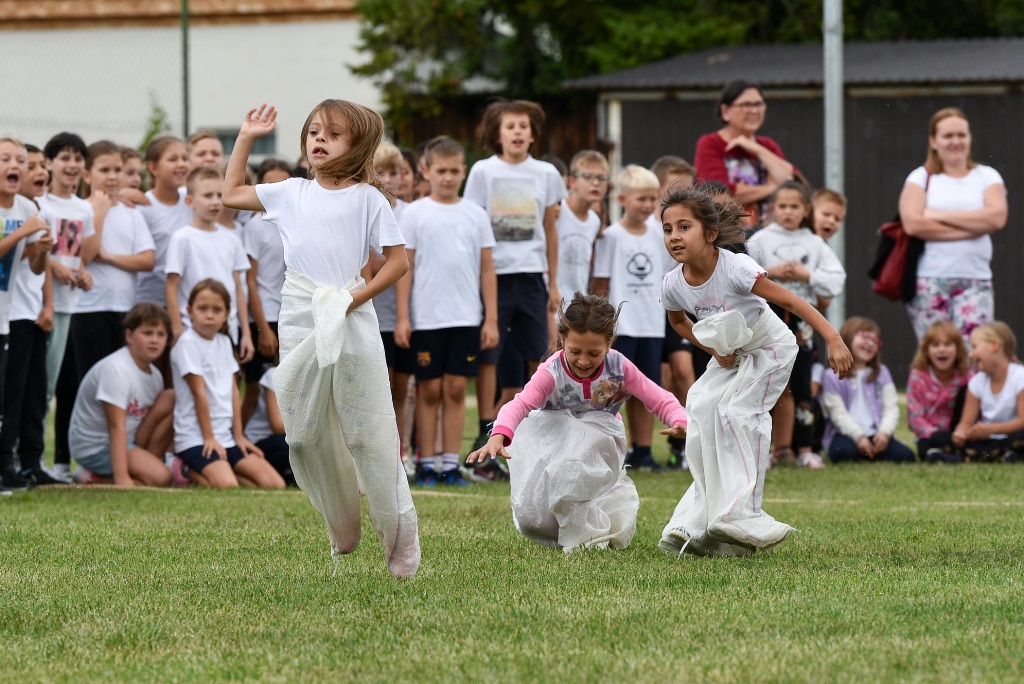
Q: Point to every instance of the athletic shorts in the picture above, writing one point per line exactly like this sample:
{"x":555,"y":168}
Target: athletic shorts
{"x":674,"y":342}
{"x":401,"y":360}
{"x":448,"y":351}
{"x":258,"y":365}
{"x":194,"y":459}
{"x":512,"y":368}
{"x":523,"y":312}
{"x":644,"y":352}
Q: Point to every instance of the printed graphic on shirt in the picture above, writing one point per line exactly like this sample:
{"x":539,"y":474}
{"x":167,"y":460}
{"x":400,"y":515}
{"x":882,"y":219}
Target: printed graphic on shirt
{"x":513,"y":209}
{"x":708,"y":310}
{"x":788,"y":252}
{"x":742,"y":170}
{"x":67,"y":248}
{"x":640,"y":265}
{"x":574,"y":250}
{"x":608,"y":392}
{"x":136,"y":410}
{"x":7,"y":260}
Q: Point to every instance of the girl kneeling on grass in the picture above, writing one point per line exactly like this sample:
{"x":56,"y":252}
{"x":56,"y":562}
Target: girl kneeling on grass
{"x":208,"y":434}
{"x":936,"y":390}
{"x":121,"y":422}
{"x":991,"y":428}
{"x":863,"y":410}
{"x":569,"y":487}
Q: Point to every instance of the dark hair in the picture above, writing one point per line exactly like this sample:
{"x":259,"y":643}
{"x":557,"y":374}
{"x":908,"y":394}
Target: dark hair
{"x":157,"y":146}
{"x":713,"y":188}
{"x":411,"y":158}
{"x":587,"y":313}
{"x":725,"y":220}
{"x":65,"y":141}
{"x":32,"y":149}
{"x":145,"y":313}
{"x":441,"y":146}
{"x":365,"y":130}
{"x":805,"y":197}
{"x":731,"y":92}
{"x":557,"y":162}
{"x":490,"y":123}
{"x":268,"y":165}
{"x":216,"y":287}
{"x":100,"y":148}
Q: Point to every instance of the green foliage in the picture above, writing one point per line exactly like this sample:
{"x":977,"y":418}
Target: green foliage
{"x":157,"y":123}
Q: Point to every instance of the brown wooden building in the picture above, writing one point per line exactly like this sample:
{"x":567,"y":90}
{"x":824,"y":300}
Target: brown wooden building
{"x":891,"y":90}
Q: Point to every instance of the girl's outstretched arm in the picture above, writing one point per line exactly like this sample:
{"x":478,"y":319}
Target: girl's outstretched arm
{"x":396,"y":263}
{"x":839,"y":357}
{"x":236,"y":194}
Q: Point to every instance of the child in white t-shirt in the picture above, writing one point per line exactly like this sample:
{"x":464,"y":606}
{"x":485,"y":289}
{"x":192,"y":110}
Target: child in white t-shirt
{"x":450,"y":271}
{"x":628,"y":265}
{"x":729,"y":430}
{"x":25,"y":243}
{"x":991,"y":427}
{"x":164,"y":209}
{"x":265,"y":278}
{"x":122,"y":419}
{"x":578,"y":224}
{"x":208,"y":435}
{"x":201,"y":250}
{"x":332,"y":381}
{"x":522,"y":195}
{"x":265,"y":428}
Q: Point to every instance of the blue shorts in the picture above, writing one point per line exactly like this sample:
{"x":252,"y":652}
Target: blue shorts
{"x":99,"y":462}
{"x":523,"y":311}
{"x":194,"y":459}
{"x":644,"y":352}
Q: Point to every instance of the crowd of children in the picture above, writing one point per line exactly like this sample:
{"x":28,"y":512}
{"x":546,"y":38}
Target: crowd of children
{"x":141,"y":309}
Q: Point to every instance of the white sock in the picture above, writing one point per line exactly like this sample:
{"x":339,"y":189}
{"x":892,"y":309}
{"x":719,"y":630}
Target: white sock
{"x":449,"y":461}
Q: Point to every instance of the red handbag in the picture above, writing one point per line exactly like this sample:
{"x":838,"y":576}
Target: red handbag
{"x":894,"y":272}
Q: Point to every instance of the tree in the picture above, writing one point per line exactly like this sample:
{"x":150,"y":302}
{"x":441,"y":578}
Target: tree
{"x":424,"y":52}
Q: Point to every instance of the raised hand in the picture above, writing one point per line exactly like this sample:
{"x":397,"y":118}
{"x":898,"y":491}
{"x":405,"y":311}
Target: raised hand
{"x":259,"y":122}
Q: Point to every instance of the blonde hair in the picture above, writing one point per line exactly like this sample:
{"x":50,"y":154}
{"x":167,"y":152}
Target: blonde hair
{"x":828,"y":195}
{"x":365,"y":130}
{"x":13,"y":141}
{"x":856,"y":324}
{"x":387,"y":158}
{"x":940,"y":331}
{"x":999,"y":332}
{"x":671,"y":165}
{"x":635,"y":177}
{"x":587,"y":158}
{"x":932,"y":163}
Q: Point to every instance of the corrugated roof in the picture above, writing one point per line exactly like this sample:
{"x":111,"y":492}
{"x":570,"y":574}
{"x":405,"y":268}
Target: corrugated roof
{"x":904,"y":62}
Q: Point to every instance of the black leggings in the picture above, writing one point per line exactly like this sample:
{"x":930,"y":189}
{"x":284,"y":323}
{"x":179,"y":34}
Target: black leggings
{"x":24,"y":395}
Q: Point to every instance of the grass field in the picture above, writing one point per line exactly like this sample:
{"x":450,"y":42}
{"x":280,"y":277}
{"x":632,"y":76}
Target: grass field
{"x":896,"y":574}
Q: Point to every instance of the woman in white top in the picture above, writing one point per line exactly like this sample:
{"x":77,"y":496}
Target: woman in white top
{"x":954,"y":205}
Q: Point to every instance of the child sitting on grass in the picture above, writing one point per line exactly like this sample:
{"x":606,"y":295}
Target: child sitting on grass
{"x":569,"y":486}
{"x":937,"y":384}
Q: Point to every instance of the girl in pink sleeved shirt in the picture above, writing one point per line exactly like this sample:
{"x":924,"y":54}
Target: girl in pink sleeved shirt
{"x":569,"y":487}
{"x":938,"y":376}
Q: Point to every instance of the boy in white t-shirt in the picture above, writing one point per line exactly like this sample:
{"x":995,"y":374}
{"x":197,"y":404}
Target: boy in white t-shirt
{"x":22,"y":267}
{"x":202,"y":250}
{"x":522,"y":196}
{"x":629,"y":265}
{"x":450,"y":269}
{"x":578,"y":224}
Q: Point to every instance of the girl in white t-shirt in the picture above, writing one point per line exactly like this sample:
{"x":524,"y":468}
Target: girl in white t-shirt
{"x":208,"y":435}
{"x":991,"y":427}
{"x":332,"y":383}
{"x":121,"y":423}
{"x":164,"y":209}
{"x":729,"y":435}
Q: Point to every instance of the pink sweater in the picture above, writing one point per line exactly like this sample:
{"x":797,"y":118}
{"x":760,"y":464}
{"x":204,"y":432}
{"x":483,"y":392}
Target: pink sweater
{"x":930,"y":403}
{"x":554,"y":387}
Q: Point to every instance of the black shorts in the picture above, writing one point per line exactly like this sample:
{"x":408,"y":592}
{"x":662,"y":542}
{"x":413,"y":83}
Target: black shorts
{"x":674,"y":342}
{"x":258,"y":365}
{"x":512,"y":368}
{"x":194,"y":459}
{"x":448,"y":351}
{"x":401,"y":360}
{"x":644,"y":352}
{"x":523,"y":312}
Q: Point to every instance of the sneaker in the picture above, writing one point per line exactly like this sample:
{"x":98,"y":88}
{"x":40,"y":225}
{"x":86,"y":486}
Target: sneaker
{"x":83,"y":476}
{"x":40,"y":476}
{"x":425,"y":477}
{"x":489,"y":471}
{"x":673,"y":541}
{"x":784,"y":457}
{"x":1012,"y":456}
{"x":59,"y":471}
{"x":11,"y":479}
{"x":453,"y":478}
{"x":179,"y":473}
{"x":809,"y":459}
{"x":6,"y":492}
{"x":642,"y":462}
{"x":940,"y":456}
{"x":677,"y":459}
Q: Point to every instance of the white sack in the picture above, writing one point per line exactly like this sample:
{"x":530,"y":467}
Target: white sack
{"x":334,"y":396}
{"x":728,"y":438}
{"x":569,"y":487}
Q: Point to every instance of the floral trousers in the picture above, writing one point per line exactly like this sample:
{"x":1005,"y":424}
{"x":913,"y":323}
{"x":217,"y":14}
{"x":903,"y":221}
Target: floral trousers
{"x":966,"y":302}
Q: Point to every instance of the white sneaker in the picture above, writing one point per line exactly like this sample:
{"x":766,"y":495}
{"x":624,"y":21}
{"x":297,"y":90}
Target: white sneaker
{"x":59,"y":471}
{"x":82,"y":476}
{"x":809,"y":459}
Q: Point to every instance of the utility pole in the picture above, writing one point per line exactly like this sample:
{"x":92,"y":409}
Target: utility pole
{"x":834,"y":149}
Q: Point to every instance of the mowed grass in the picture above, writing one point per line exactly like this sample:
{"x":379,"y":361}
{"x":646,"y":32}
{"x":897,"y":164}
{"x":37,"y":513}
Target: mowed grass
{"x":896,"y":574}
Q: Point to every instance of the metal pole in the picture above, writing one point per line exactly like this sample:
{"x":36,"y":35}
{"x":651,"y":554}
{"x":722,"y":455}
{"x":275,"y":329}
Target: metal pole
{"x":613,"y":134}
{"x":184,"y":68}
{"x":834,"y":151}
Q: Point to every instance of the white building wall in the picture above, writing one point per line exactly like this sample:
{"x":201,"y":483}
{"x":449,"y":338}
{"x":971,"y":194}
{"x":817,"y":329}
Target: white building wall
{"x":99,"y":82}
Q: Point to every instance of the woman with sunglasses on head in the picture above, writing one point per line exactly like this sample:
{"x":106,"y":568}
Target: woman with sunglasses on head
{"x":751,"y":165}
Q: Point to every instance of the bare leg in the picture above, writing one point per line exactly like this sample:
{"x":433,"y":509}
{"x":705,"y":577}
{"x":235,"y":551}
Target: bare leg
{"x":454,"y":414}
{"x":155,"y":430}
{"x":641,"y":422}
{"x":253,"y":471}
{"x":428,"y":403}
{"x":216,"y":475}
{"x":486,"y":388}
{"x":148,"y":469}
